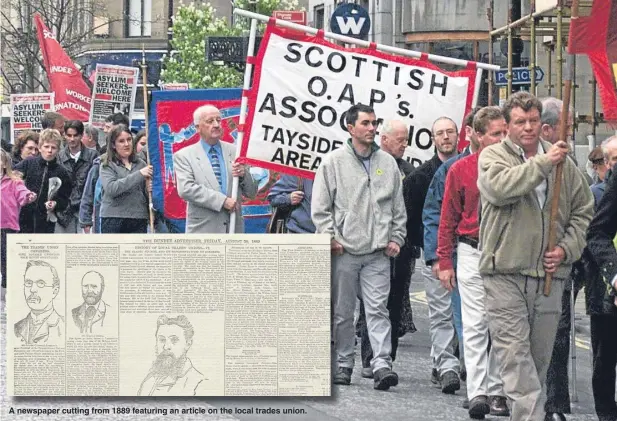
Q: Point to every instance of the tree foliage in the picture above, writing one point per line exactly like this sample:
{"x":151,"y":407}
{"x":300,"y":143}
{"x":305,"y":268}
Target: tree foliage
{"x":191,"y":25}
{"x":187,"y":64}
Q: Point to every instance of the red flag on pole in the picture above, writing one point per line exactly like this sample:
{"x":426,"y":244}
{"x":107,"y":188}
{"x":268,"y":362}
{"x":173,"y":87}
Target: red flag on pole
{"x":595,"y":35}
{"x":72,"y":94}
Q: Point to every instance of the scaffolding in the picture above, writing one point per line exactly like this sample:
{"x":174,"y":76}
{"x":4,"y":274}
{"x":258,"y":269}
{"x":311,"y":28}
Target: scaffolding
{"x":551,"y":24}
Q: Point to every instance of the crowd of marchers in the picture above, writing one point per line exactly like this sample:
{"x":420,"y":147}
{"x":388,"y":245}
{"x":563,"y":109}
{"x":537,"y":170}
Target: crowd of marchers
{"x":479,"y":219}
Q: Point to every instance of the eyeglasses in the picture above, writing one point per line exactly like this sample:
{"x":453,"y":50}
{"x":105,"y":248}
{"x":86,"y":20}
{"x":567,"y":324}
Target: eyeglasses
{"x":442,"y":133}
{"x":39,"y":284}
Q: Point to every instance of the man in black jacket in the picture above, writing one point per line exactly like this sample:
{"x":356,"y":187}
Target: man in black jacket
{"x":393,"y":141}
{"x":600,"y":291}
{"x":77,"y":160}
{"x":37,"y":171}
{"x":415,"y":187}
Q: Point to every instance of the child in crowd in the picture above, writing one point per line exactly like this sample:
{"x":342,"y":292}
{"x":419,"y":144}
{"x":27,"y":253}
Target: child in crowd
{"x":14,"y":196}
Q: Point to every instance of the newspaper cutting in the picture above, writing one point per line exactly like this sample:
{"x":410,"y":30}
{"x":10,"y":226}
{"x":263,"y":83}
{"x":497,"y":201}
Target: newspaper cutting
{"x":114,"y":92}
{"x":27,"y":111}
{"x":168,"y":315}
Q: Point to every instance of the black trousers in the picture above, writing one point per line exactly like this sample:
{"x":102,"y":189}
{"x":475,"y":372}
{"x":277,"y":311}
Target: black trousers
{"x":3,"y":233}
{"x":401,"y":270}
{"x":557,"y":383}
{"x":124,"y":226}
{"x":604,"y":347}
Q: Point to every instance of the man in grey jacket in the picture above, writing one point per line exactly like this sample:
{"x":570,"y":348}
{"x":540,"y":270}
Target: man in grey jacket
{"x":358,"y":200}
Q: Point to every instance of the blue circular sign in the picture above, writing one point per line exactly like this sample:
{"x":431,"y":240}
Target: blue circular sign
{"x":351,"y":20}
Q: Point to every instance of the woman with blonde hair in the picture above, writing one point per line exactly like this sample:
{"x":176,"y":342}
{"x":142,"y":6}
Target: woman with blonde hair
{"x":35,"y":217}
{"x":15,"y":194}
{"x":125,"y":179}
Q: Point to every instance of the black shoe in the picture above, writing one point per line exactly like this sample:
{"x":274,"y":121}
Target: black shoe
{"x":450,"y":382}
{"x":384,"y":379}
{"x":435,"y":377}
{"x":479,"y":407}
{"x":554,"y":416}
{"x":499,"y":406}
{"x":343,"y":376}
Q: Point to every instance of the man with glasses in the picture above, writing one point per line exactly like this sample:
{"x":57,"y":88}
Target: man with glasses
{"x":204,"y":174}
{"x":43,"y":325}
{"x":446,"y":366}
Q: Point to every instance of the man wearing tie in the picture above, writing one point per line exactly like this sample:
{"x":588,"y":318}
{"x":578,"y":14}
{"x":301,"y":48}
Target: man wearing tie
{"x":204,"y":176}
{"x":92,"y":312}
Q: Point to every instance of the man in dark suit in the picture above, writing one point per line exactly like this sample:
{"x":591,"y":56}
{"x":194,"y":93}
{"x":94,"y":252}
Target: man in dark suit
{"x":92,"y":312}
{"x":43,"y":325}
{"x":204,"y":176}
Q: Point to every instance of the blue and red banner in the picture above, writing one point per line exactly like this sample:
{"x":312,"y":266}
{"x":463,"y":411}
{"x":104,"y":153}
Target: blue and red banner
{"x":171,"y":128}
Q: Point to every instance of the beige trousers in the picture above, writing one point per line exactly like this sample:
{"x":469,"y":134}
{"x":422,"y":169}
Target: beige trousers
{"x":523,"y":323}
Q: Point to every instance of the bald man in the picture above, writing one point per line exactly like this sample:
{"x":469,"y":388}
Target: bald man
{"x":91,"y":314}
{"x":393,"y":138}
{"x":204,"y":175}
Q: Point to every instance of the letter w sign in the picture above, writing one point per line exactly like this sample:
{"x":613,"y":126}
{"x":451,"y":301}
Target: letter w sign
{"x":351,"y":20}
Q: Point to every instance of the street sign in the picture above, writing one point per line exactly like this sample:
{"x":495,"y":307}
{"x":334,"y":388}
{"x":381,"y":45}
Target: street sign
{"x":228,"y":49}
{"x":351,"y":20}
{"x":294,"y":16}
{"x":520,"y":76}
{"x":174,"y":86}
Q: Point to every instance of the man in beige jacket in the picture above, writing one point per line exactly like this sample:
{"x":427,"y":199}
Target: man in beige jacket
{"x":516,"y":182}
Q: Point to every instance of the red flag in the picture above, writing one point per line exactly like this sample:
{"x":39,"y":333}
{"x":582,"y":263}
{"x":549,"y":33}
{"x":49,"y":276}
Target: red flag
{"x":72,"y":93}
{"x":595,"y":36}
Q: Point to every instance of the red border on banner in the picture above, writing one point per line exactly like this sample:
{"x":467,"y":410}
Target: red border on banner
{"x":469,"y":73}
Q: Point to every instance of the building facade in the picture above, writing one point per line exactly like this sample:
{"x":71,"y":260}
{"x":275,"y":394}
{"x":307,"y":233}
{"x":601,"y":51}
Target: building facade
{"x":460,"y":29}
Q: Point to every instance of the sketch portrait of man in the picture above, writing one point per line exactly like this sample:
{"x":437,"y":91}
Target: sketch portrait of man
{"x":43,"y":325}
{"x":91,"y":314}
{"x":172,"y":373}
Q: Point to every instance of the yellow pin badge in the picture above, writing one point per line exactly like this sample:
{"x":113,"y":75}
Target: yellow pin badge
{"x":379,"y":171}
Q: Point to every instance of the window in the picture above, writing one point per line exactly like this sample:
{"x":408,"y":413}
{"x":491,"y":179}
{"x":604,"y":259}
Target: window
{"x":318,"y":17}
{"x":139,"y":18}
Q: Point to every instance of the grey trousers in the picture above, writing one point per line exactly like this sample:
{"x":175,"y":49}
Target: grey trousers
{"x":441,"y":327}
{"x":367,"y":276}
{"x":523,"y":323}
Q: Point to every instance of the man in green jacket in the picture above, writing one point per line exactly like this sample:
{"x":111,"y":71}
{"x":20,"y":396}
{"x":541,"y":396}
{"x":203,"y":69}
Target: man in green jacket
{"x":516,"y":182}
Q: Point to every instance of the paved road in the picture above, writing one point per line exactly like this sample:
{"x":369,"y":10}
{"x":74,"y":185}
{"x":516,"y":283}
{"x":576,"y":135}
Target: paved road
{"x":414,"y":399}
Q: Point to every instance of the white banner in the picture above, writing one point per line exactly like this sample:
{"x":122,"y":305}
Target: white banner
{"x":27,"y":111}
{"x":114,"y":92}
{"x":305,"y":85}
